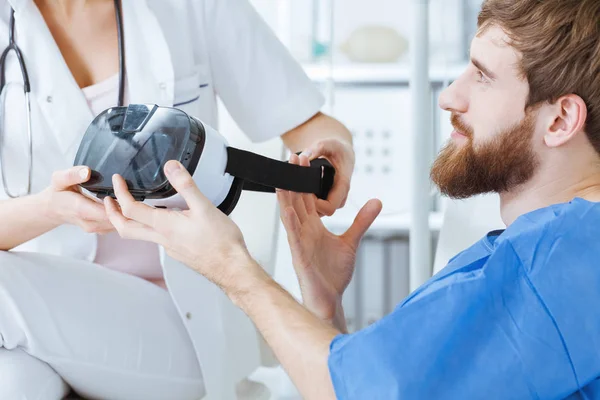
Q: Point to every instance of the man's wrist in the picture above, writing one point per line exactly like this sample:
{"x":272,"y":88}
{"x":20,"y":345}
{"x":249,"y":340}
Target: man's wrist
{"x":339,"y":319}
{"x":251,"y":278}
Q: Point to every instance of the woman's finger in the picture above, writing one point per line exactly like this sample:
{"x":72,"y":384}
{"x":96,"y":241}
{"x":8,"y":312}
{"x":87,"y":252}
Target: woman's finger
{"x":327,"y":148}
{"x":103,"y":226}
{"x":297,"y":201}
{"x":88,"y":210}
{"x":335,"y":199}
{"x":325,"y":208}
{"x":341,"y":155}
{"x":64,"y":179}
{"x":308,"y":198}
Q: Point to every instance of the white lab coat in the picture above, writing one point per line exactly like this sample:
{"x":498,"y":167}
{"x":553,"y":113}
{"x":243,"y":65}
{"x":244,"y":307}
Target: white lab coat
{"x":177,"y":52}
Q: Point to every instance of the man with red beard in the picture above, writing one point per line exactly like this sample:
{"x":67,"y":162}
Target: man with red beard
{"x":515,"y":316}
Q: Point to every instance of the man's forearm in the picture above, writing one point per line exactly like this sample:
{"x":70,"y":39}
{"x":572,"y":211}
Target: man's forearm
{"x":319,"y":127}
{"x":299,"y":339}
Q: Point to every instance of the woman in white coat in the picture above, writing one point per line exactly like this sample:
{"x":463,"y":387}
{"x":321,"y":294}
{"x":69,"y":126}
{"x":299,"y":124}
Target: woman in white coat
{"x":80,"y":307}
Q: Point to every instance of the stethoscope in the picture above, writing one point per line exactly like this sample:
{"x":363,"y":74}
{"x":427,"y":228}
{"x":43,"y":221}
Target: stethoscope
{"x":12,"y":45}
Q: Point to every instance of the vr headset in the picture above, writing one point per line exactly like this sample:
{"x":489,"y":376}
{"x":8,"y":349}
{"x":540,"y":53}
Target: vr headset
{"x":136,"y":142}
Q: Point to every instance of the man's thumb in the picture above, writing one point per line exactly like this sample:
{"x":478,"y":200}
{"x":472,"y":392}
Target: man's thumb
{"x":364,"y":219}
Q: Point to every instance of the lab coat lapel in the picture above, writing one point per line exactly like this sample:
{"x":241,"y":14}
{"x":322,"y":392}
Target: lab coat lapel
{"x":149,"y":69}
{"x":18,"y":4}
{"x":60,"y":99}
{"x":149,"y":72}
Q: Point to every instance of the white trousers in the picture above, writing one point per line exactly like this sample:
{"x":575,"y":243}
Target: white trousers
{"x":69,"y":323}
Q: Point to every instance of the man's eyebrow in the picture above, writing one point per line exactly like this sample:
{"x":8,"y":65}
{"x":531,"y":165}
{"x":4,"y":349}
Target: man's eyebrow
{"x":483,"y":68}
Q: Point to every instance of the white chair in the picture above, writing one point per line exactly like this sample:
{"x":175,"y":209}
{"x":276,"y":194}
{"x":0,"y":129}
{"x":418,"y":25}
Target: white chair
{"x":465,"y":222}
{"x":225,"y":340}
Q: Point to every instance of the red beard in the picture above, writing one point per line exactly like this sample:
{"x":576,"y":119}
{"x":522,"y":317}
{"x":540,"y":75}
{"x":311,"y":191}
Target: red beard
{"x":498,"y":165}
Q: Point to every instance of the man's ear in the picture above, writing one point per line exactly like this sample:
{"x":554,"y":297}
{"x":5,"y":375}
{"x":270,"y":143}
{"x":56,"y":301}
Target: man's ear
{"x":566,"y":117}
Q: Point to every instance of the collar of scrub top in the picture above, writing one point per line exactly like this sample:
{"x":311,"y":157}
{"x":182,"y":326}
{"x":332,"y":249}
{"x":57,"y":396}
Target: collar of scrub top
{"x":149,"y":77}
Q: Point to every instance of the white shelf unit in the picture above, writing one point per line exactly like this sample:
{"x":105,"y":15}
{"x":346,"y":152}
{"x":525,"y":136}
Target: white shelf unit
{"x":379,"y":73}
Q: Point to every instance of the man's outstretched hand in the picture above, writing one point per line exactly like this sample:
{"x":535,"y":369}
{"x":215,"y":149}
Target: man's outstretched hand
{"x":324,"y":262}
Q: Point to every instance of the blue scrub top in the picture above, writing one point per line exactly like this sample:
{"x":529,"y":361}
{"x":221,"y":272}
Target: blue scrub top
{"x":516,"y":316}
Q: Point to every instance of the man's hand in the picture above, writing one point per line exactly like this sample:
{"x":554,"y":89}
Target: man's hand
{"x":341,"y":155}
{"x":202,"y":237}
{"x":210,"y":243}
{"x":324,"y":262}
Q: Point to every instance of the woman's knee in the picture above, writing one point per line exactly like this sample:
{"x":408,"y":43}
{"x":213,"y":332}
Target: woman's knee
{"x":25,"y":377}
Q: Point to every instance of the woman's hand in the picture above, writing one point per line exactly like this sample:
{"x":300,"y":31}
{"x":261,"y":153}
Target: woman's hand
{"x":202,"y":237}
{"x":324,"y":262}
{"x":66,"y":205}
{"x":341,"y":155}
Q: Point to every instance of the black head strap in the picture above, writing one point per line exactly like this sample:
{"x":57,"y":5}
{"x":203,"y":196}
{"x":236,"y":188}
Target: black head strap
{"x":262,"y":174}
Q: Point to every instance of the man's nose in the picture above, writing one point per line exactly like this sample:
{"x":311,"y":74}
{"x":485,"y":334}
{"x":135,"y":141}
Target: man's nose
{"x":453,"y":98}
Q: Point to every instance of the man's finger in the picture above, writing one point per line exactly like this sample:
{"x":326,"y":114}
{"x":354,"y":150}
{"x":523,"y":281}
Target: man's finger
{"x":364,"y":219}
{"x":132,"y":209}
{"x":284,"y":199}
{"x":299,"y":207}
{"x":308,"y":198}
{"x":73,"y":176}
{"x":293,"y":228}
{"x":183,"y":182}
{"x":292,"y":224}
{"x":297,"y":200}
{"x":127,"y":228}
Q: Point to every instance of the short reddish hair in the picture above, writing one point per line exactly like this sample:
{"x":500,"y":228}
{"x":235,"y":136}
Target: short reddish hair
{"x":559,"y":41}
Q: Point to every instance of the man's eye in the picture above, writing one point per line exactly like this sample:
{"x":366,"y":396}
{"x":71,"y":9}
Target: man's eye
{"x":481,"y":76}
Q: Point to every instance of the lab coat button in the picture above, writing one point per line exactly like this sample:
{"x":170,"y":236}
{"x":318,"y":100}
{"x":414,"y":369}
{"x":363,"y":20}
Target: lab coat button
{"x":49,"y":99}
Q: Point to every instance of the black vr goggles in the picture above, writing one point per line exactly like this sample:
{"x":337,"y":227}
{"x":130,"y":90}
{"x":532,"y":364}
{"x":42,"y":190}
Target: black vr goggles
{"x":136,"y":142}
